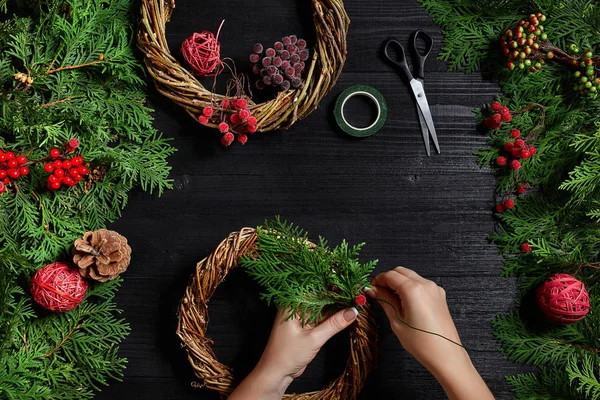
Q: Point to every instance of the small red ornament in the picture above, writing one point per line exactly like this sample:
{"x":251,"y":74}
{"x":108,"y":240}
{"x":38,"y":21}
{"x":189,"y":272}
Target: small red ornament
{"x":525,"y":247}
{"x":202,"y":51}
{"x":360,"y":300}
{"x":56,"y":287}
{"x":563,"y":299}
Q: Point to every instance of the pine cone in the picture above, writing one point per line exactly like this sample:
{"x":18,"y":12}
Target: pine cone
{"x":101,"y":255}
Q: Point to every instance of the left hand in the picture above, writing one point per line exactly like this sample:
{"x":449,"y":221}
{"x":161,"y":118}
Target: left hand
{"x":289,"y":350}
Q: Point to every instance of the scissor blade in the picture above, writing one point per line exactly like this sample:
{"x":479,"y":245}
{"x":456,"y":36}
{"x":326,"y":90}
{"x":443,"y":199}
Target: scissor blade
{"x":424,"y":130}
{"x":419,"y":92}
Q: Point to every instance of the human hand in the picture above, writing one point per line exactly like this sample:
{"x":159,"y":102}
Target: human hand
{"x":421,"y":304}
{"x":289,"y":350}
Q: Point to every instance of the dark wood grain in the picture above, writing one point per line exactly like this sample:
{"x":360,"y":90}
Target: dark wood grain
{"x":432,"y":214}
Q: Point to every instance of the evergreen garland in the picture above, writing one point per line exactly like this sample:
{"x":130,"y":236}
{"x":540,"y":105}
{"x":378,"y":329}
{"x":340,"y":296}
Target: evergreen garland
{"x":85,"y":83}
{"x":306,"y":279}
{"x":560,"y":220}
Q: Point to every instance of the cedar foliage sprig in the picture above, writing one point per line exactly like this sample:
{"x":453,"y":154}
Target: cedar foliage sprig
{"x":560,"y":217}
{"x":84,"y":82}
{"x":306,"y":279}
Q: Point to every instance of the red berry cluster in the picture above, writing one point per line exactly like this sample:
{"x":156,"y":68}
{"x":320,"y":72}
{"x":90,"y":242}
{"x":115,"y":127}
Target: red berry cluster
{"x":12,"y":167}
{"x":522,"y":44}
{"x":240,"y":120}
{"x":515,"y":149}
{"x":501,"y":114}
{"x":65,"y":171}
{"x":280,"y":66}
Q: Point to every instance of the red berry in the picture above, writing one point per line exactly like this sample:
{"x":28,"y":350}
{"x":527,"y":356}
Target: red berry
{"x":207,"y":111}
{"x":2,"y":187}
{"x":504,"y":110}
{"x":10,"y":155}
{"x":13,"y":173}
{"x":54,"y":185}
{"x":360,"y":300}
{"x":59,"y":172}
{"x":73,"y":143}
{"x":499,"y":208}
{"x":515,"y":165}
{"x":252,"y":121}
{"x":82,"y":170}
{"x":506,"y":117}
{"x":519,"y":143}
{"x":2,"y":173}
{"x":67,"y":164}
{"x":2,"y":157}
{"x":21,"y":160}
{"x":532,"y":150}
{"x":242,"y":103}
{"x":525,"y":247}
{"x":223,"y":127}
{"x":227,"y":139}
{"x":509,"y":203}
{"x":497,"y":118}
{"x":54,"y":153}
{"x":69,"y":149}
{"x":48,"y":167}
{"x":203,"y":119}
{"x":501,"y":161}
{"x":12,"y":163}
{"x":521,"y":188}
{"x":78,"y":160}
{"x":508,"y":146}
{"x":73,"y":172}
{"x":57,"y":164}
{"x":24,"y":171}
{"x":235,"y":119}
{"x":225,"y":103}
{"x":244,"y":115}
{"x":516,"y":153}
{"x":78,"y":178}
{"x":251,"y":128}
{"x":242,"y":138}
{"x":67,"y":180}
{"x":233,"y":103}
{"x":6,"y":181}
{"x":52,"y":178}
{"x":525,"y":153}
{"x":496,"y":106}
{"x":515,"y":133}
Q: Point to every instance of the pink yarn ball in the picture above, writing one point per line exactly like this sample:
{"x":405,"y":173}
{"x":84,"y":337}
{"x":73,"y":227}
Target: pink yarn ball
{"x":56,"y":287}
{"x":202,"y":51}
{"x":563,"y":299}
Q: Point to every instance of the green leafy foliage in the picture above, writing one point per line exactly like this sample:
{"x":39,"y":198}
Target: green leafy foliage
{"x":85,"y":82}
{"x":306,"y":279}
{"x":559,"y":216}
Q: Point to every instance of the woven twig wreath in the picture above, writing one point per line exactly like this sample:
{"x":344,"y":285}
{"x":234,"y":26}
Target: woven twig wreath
{"x":193,"y":323}
{"x":179,"y":85}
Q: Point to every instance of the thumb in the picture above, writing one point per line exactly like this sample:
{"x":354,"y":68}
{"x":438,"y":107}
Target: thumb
{"x":334,"y":324}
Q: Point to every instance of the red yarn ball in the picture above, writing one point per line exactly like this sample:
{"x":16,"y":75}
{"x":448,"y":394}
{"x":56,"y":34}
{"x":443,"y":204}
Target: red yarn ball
{"x":563,"y":299}
{"x":56,"y":287}
{"x":202,"y":51}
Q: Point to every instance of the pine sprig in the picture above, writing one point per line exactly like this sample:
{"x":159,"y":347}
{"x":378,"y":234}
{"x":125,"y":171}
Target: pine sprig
{"x":306,"y":279}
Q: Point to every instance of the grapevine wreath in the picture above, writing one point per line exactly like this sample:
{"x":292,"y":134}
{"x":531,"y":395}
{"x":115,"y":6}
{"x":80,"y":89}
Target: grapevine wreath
{"x":193,"y":324}
{"x":180,"y":85}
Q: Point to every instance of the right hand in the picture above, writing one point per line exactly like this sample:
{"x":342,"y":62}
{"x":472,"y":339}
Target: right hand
{"x":422,"y":304}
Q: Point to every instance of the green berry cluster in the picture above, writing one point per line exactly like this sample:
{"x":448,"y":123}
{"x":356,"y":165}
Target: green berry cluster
{"x":588,"y":82}
{"x":521,"y":45}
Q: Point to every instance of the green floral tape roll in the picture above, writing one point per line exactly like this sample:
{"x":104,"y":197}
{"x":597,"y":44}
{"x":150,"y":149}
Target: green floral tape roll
{"x":366,"y":91}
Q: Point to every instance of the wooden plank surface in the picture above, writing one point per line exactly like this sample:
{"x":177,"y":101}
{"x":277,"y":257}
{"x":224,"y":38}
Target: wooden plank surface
{"x":432,"y":214}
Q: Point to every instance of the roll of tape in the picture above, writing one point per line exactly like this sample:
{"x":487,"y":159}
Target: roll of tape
{"x":366,"y":91}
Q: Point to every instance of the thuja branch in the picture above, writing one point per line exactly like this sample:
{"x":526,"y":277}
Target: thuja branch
{"x":62,"y":342}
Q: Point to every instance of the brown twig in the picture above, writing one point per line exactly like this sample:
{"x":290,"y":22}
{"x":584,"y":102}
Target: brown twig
{"x":579,"y":346}
{"x":536,"y":130}
{"x":53,"y":103}
{"x":62,"y":342}
{"x":68,"y":67}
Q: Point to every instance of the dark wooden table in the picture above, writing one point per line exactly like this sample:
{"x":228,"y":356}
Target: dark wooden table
{"x":432,"y":214}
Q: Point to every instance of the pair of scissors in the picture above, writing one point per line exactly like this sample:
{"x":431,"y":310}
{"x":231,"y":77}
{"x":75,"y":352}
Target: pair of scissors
{"x":416,"y":84}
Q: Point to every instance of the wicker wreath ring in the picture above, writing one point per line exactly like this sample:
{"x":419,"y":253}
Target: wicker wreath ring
{"x":193,"y":323}
{"x":179,"y":85}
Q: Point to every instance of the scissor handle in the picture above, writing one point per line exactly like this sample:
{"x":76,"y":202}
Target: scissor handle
{"x":400,"y":64}
{"x":419,"y":58}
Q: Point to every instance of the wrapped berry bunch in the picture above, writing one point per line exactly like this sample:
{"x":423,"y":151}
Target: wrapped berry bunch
{"x":65,"y":171}
{"x":280,"y":66}
{"x":514,"y":149}
{"x":235,"y":119}
{"x":12,"y":167}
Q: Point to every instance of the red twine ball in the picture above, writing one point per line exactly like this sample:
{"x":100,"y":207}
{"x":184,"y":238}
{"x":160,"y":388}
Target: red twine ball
{"x":202,"y":51}
{"x":563,"y":299}
{"x":56,"y":287}
{"x":360,"y":300}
